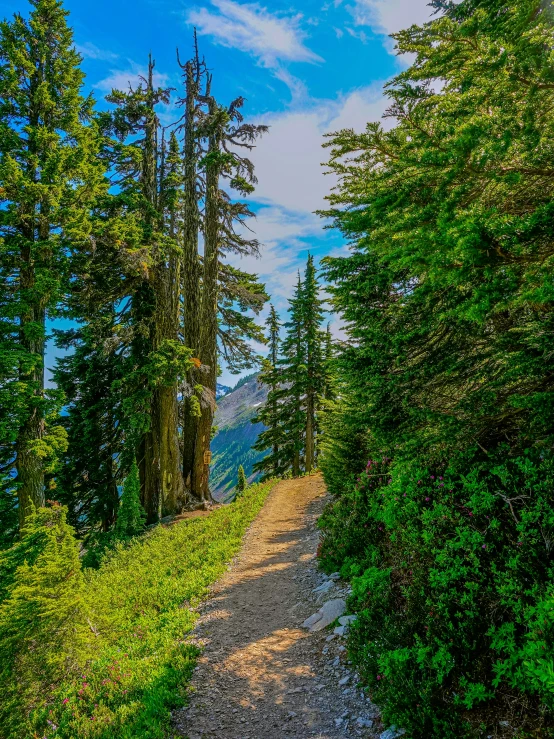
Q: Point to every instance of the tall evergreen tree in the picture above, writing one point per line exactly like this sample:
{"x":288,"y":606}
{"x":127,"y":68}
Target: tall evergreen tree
{"x":48,"y":176}
{"x":227,"y":134}
{"x":149,"y":181}
{"x":297,"y":383}
{"x":130,"y":515}
{"x":270,"y":414}
{"x":91,"y":467}
{"x":292,"y":366}
{"x":312,"y":338}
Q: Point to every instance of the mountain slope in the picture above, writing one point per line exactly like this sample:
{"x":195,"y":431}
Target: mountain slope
{"x":232,"y":444}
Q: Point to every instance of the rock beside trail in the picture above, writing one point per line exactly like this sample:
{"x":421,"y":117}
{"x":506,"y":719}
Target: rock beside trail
{"x":392,"y":733}
{"x":347,"y":620}
{"x":328,"y":613}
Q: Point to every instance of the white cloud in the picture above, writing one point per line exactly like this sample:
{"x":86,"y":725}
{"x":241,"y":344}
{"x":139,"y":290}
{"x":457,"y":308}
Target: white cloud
{"x":390,"y":16}
{"x":89,"y":50}
{"x":289,"y":158}
{"x":270,"y":38}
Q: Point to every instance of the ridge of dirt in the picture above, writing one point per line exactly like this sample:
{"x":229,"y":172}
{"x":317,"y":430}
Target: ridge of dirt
{"x":261,"y":674}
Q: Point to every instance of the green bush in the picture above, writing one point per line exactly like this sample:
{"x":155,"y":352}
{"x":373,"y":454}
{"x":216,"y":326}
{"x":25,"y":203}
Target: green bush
{"x":453,"y":579}
{"x":130,"y":625}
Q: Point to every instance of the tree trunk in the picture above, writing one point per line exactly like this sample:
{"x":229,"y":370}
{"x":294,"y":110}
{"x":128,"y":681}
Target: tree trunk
{"x":165,"y":421}
{"x":208,"y":320}
{"x":148,"y":464}
{"x":191,"y":272}
{"x":309,"y":431}
{"x":29,"y":465}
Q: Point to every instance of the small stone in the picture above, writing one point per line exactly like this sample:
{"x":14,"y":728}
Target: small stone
{"x":392,"y":733}
{"x":335,"y":576}
{"x":364,"y":722}
{"x":311,"y":620}
{"x":328,"y":613}
{"x":347,"y":620}
{"x":340,"y":631}
{"x":331,"y":637}
{"x":324,"y":587}
{"x":344,"y":680}
{"x":338,"y":722}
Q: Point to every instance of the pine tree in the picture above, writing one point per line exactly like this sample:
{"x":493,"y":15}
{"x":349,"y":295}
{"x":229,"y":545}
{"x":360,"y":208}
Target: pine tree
{"x":150,"y":180}
{"x":226,"y":134}
{"x":297,"y":381}
{"x":194,"y":73}
{"x":131,"y":515}
{"x":272,"y":465}
{"x":290,"y":398}
{"x":48,"y":176}
{"x":88,"y":478}
{"x":312,"y":339}
{"x":44,"y":631}
{"x":329,"y":392}
{"x":241,"y":481}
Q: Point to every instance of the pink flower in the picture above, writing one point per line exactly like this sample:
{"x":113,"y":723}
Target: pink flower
{"x":65,"y":700}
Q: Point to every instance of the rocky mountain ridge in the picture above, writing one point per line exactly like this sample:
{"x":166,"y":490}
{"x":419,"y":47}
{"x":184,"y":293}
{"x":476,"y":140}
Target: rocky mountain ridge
{"x":232,"y":444}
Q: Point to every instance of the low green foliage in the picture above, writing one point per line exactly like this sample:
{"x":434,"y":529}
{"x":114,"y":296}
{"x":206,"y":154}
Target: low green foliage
{"x":452,"y":578}
{"x":119,"y":651}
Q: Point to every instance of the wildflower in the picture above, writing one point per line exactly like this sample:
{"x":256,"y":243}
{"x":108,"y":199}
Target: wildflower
{"x":427,"y":499}
{"x":65,"y":700}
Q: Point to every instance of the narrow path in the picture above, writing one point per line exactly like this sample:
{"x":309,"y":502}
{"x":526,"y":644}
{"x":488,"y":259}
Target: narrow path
{"x":262,"y":674}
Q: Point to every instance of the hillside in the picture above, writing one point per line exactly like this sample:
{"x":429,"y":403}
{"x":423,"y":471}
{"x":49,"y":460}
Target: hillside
{"x":232,"y":445}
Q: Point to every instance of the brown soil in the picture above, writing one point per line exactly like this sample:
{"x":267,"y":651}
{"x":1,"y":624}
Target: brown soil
{"x":261,"y":674}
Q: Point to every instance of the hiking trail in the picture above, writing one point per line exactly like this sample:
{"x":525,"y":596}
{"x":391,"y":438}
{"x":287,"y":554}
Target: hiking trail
{"x":261,"y":674}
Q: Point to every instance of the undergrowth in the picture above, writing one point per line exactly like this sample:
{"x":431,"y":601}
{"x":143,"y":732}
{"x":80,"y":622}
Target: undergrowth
{"x":114,"y":639}
{"x":453,"y":581}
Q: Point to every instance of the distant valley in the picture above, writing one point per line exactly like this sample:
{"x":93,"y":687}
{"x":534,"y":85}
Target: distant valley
{"x":232,"y":444}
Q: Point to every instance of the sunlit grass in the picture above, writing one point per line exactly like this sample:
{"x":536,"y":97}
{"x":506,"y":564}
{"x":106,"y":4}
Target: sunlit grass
{"x":142,"y":600}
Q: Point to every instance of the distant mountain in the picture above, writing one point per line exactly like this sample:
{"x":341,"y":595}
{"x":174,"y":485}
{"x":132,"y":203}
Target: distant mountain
{"x":222,"y":390}
{"x":232,"y":445}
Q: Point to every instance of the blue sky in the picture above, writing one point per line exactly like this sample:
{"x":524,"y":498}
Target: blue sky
{"x":305,"y":66}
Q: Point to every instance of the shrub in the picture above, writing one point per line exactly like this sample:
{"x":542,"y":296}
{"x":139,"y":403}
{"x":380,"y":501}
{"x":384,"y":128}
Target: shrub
{"x":241,"y":481}
{"x":44,"y":632}
{"x":131,"y":516}
{"x":453,"y":580}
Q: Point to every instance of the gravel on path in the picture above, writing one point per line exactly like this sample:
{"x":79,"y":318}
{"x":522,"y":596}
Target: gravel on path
{"x":261,"y":675}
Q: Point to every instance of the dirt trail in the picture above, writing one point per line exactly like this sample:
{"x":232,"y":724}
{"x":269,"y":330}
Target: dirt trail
{"x":261,"y":674}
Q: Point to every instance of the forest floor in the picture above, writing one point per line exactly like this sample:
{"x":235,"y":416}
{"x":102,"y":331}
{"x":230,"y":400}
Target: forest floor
{"x":261,"y":673}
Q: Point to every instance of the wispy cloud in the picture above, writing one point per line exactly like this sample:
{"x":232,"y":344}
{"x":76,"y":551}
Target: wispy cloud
{"x":270,"y":38}
{"x":273,"y":40}
{"x":390,"y":16}
{"x":289,"y":159}
{"x":89,"y":50}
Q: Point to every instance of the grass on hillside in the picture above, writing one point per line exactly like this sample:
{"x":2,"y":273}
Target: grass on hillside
{"x":142,"y":598}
